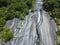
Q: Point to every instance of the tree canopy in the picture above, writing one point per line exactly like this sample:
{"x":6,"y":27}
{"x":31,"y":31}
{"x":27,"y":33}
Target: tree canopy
{"x":7,"y":34}
{"x":53,"y":7}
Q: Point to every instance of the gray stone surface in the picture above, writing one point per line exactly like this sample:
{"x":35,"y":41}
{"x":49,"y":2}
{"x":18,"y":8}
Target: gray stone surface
{"x":36,"y":29}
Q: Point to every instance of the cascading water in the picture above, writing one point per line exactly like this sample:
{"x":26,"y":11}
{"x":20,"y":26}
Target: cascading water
{"x":43,"y":26}
{"x":34,"y":30}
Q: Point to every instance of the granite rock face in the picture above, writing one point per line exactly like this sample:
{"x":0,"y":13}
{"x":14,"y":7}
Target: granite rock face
{"x":25,"y":31}
{"x":36,"y":29}
{"x":32,"y":32}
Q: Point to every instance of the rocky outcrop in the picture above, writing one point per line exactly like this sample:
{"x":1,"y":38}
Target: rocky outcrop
{"x":36,"y":29}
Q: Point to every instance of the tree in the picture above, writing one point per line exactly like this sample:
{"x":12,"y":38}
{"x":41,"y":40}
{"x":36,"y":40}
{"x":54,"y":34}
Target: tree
{"x":26,"y":11}
{"x":1,"y":28}
{"x":3,"y":3}
{"x":10,"y":15}
{"x":29,"y":4}
{"x":7,"y":35}
{"x":58,"y":32}
{"x":22,"y":17}
{"x":2,"y":22}
{"x":17,"y":14}
{"x":53,"y":7}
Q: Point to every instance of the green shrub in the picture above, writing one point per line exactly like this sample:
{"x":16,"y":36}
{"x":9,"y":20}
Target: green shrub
{"x":32,"y":10}
{"x":2,"y":22}
{"x":22,"y":17}
{"x":10,"y":15}
{"x":26,"y":11}
{"x":29,"y":4}
{"x":1,"y":29}
{"x":58,"y":32}
{"x":17,"y":14}
{"x":2,"y":10}
{"x":7,"y":35}
{"x":3,"y":3}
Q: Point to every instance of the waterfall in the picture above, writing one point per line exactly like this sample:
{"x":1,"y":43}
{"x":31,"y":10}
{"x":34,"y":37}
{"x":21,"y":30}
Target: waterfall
{"x":44,"y":27}
{"x":32,"y":33}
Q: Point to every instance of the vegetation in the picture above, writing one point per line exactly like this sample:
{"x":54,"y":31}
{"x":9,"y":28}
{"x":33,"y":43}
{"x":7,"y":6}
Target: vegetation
{"x":58,"y":35}
{"x":10,"y":9}
{"x":56,"y":41}
{"x":53,"y":7}
{"x":15,"y":8}
{"x":58,"y":32}
{"x":2,"y":23}
{"x":6,"y":35}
